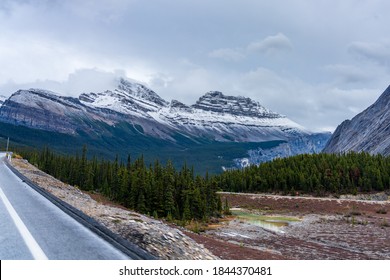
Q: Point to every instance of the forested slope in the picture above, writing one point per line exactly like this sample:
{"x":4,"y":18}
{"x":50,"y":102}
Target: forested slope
{"x":317,"y":174}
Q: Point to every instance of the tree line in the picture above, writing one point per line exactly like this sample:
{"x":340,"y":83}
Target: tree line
{"x":317,"y":174}
{"x":178,"y":194}
{"x":155,"y":189}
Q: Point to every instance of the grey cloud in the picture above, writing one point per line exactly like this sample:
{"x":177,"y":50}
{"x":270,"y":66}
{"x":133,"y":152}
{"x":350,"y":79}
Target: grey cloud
{"x":378,"y":52}
{"x":274,"y":43}
{"x":100,"y":10}
{"x":91,"y":80}
{"x":271,"y":44}
{"x":228,"y":54}
{"x":315,"y":106}
{"x":235,"y":45}
{"x":159,"y":80}
{"x":82,"y":80}
{"x":349,"y":73}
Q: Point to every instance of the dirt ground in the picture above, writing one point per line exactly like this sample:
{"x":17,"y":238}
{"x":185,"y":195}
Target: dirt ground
{"x":328,"y":229}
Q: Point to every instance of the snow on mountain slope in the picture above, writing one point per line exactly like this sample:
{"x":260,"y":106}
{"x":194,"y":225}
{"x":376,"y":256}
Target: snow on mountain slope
{"x":2,"y":99}
{"x":216,"y":101}
{"x":228,"y":118}
{"x":214,"y":117}
{"x":42,"y":109}
{"x":128,"y":98}
{"x":135,"y":118}
{"x":46,"y":100}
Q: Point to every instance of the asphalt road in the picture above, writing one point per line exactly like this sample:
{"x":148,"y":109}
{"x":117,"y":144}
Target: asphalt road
{"x":31,"y":227}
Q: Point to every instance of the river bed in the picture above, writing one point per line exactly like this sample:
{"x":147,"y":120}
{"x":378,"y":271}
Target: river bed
{"x":269,"y":222}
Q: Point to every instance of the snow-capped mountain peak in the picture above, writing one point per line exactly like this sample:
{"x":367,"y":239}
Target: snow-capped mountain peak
{"x":228,"y":118}
{"x":218,"y":102}
{"x":136,"y":119}
{"x":140,"y":91}
{"x":214,"y":116}
{"x":127,"y":98}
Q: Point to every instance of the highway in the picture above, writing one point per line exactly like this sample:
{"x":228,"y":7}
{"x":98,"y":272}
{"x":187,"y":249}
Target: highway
{"x":31,"y":227}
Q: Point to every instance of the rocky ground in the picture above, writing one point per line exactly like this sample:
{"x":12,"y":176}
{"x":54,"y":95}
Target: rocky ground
{"x":328,"y":228}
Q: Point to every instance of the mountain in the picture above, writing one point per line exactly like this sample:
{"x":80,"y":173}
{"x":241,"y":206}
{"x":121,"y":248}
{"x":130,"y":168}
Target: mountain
{"x":214,"y":116}
{"x":134,"y":119}
{"x":306,"y":144}
{"x":228,"y":118}
{"x":45,"y":110}
{"x":2,"y":98}
{"x":368,"y":131}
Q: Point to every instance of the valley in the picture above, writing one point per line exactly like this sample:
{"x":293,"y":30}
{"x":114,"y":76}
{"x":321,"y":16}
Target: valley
{"x":219,"y":143}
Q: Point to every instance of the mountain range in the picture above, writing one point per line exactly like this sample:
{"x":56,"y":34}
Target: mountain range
{"x":368,"y":131}
{"x":214,"y":132}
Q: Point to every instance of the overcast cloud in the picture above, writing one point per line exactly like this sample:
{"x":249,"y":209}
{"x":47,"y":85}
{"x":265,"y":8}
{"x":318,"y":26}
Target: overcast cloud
{"x":318,"y":62}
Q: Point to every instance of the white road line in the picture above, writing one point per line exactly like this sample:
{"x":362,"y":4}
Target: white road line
{"x":32,"y":245}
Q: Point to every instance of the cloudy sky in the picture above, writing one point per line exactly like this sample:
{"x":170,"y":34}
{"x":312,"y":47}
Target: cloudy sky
{"x":318,"y":62}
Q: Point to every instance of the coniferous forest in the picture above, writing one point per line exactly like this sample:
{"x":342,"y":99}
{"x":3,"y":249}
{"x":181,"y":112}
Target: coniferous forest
{"x":162,"y":191}
{"x":317,"y":174}
{"x":156,"y":189}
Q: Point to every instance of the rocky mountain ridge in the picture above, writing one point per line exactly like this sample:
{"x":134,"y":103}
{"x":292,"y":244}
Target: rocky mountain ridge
{"x":368,"y":131}
{"x":42,"y":109}
{"x":134,"y":119}
{"x":214,"y":116}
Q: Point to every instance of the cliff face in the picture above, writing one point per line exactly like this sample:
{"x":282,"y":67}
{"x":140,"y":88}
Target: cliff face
{"x":368,"y":131}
